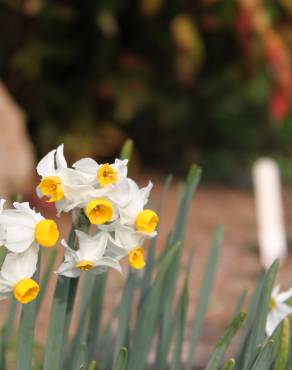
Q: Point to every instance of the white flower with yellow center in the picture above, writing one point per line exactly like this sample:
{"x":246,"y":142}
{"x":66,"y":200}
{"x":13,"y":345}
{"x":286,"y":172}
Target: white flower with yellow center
{"x":128,"y":242}
{"x":104,"y":174}
{"x":22,"y":227}
{"x":16,"y":276}
{"x":89,"y":257}
{"x":278,"y":309}
{"x":66,"y":187}
{"x":134,"y":214}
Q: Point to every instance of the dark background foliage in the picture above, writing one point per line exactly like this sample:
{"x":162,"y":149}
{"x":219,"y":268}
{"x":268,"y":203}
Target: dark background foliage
{"x":206,"y":81}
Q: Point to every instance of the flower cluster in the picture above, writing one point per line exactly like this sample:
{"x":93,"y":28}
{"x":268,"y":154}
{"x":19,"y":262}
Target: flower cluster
{"x":113,"y":204}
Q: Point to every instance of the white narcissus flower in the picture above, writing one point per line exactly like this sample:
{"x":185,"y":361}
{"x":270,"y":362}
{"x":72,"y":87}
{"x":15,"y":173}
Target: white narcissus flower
{"x":278,"y":309}
{"x":89,"y":257}
{"x":128,"y":242}
{"x":134,"y":214}
{"x":104,"y":174}
{"x":22,"y":227}
{"x":16,"y":275}
{"x":109,"y":180}
{"x":66,"y":187}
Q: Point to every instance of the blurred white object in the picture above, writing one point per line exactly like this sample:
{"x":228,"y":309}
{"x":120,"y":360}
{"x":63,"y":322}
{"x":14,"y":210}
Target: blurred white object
{"x":269,"y":210}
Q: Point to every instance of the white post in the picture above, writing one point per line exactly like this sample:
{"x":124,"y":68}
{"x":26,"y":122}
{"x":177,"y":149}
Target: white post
{"x":269,"y":211}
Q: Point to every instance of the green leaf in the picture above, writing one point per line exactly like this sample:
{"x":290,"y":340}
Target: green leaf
{"x":125,"y":311}
{"x":121,"y":360}
{"x":283,"y":352}
{"x":224,"y":342}
{"x":264,"y":357}
{"x":25,"y":338}
{"x":87,"y":289}
{"x":205,"y":293}
{"x":258,"y":329}
{"x":191,"y":184}
{"x":229,"y":365}
{"x":55,"y":341}
{"x":46,"y":277}
{"x":95,"y":314}
{"x":6,"y":332}
{"x":127,"y":150}
{"x":248,"y":322}
{"x":240,"y":302}
{"x":180,"y":318}
{"x":166,"y":327}
{"x":148,"y":315}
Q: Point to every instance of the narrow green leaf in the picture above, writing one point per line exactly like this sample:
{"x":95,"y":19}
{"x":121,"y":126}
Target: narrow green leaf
{"x":87,"y":289}
{"x":223,"y":343}
{"x":25,"y":338}
{"x":264,"y":358}
{"x":180,"y":318}
{"x":177,"y":235}
{"x":283,"y":352}
{"x":125,"y":311}
{"x":148,"y":316}
{"x":80,"y":359}
{"x":127,"y":150}
{"x":191,"y":184}
{"x":205,"y":293}
{"x":6,"y":332}
{"x":258,"y":330}
{"x":46,"y":277}
{"x":248,"y":322}
{"x":240,"y":302}
{"x":229,"y":365}
{"x":55,"y":340}
{"x":121,"y":360}
{"x":95,"y":315}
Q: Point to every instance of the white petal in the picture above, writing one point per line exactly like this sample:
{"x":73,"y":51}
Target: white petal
{"x":18,"y":239}
{"x":128,"y":238}
{"x":284,"y":296}
{"x":108,"y":262}
{"x":70,"y":254}
{"x":275,"y":291}
{"x":87,"y":165}
{"x":145,"y":192}
{"x":115,"y":250}
{"x":91,"y":248}
{"x":25,"y":209}
{"x":12,"y":217}
{"x":120,"y":193}
{"x":272,"y":322}
{"x":121,"y":167}
{"x":60,"y":159}
{"x":18,"y":266}
{"x":2,"y":202}
{"x":68,"y":269}
{"x":46,"y":166}
{"x":28,"y":261}
{"x":284,"y":309}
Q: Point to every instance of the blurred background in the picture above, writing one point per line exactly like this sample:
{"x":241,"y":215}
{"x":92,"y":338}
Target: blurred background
{"x":205,"y":81}
{"x":208,"y":81}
